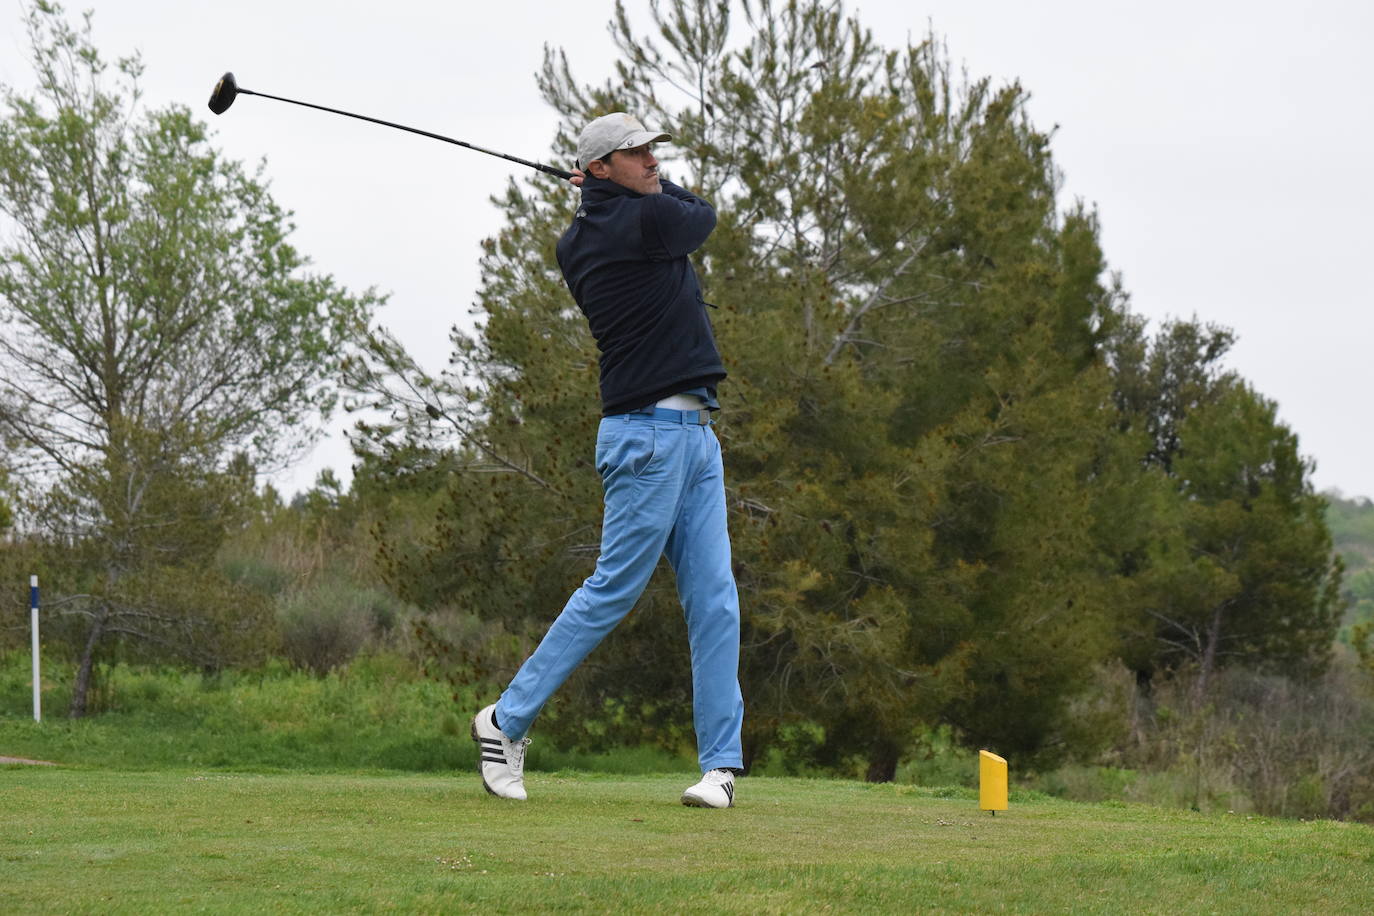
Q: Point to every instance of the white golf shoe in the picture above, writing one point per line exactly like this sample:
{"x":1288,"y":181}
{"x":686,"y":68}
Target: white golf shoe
{"x":716,"y":790}
{"x":500,"y":761}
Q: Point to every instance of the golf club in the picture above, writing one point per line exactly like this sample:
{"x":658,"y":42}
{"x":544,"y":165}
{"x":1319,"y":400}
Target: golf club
{"x":228,"y":89}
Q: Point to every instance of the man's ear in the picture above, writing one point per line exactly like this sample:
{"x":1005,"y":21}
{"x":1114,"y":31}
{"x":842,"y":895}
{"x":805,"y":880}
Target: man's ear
{"x":597,"y":169}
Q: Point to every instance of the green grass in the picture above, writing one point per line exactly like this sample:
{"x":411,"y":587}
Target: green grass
{"x":379,"y":714}
{"x":77,"y":840}
{"x":273,"y":790}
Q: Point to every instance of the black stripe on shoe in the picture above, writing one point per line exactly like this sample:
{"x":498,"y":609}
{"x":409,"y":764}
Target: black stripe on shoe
{"x":501,"y":760}
{"x":729,"y":788}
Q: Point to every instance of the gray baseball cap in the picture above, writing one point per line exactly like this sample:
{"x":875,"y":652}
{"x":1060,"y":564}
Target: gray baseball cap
{"x":611,"y":132}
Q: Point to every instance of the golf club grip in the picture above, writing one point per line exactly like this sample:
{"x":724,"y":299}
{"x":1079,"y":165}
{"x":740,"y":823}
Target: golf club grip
{"x":547,"y":169}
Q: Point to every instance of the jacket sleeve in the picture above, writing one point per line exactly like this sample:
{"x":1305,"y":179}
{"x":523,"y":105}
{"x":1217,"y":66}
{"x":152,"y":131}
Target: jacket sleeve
{"x":674,"y":223}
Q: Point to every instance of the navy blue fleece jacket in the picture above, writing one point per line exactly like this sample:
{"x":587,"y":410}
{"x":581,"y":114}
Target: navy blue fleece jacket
{"x":625,"y":260}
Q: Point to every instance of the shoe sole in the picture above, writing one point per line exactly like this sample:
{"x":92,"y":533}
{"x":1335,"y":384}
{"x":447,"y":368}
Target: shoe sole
{"x":691,"y":801}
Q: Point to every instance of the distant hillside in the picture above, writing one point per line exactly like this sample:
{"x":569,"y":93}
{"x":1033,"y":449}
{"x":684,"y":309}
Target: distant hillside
{"x":1352,"y":534}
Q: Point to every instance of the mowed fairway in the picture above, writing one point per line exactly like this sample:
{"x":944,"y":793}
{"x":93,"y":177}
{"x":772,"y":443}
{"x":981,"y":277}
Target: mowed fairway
{"x":97,"y":841}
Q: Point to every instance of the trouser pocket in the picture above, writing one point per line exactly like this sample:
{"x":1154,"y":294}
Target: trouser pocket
{"x":625,"y":447}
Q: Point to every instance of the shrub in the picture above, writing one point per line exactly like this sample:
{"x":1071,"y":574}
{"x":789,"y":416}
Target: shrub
{"x":1291,"y":748}
{"x":256,"y":574}
{"x":324,"y":626}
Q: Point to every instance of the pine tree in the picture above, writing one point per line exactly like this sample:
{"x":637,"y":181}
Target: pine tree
{"x":917,"y":430}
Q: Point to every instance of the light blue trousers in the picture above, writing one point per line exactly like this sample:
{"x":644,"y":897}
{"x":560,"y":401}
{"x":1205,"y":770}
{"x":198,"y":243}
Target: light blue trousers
{"x":664,"y":494}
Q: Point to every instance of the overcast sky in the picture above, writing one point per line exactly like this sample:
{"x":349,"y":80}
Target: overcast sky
{"x":1227,"y":146}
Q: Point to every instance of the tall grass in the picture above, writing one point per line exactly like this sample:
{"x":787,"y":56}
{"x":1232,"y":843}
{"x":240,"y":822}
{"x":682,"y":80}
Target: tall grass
{"x":379,"y":713}
{"x":1254,"y":742}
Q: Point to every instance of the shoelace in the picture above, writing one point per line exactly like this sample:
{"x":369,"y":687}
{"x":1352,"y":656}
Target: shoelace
{"x":516,"y":755}
{"x":718,"y":777}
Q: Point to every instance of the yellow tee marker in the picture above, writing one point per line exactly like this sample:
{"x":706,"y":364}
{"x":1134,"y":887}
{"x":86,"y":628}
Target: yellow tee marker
{"x":992,"y":782}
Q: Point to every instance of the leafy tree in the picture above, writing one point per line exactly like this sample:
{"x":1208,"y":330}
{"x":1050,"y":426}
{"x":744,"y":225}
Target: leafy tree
{"x":1240,"y":569}
{"x":919,"y":440}
{"x":6,"y":511}
{"x":1352,"y":534}
{"x":1159,"y":383}
{"x":158,"y":322}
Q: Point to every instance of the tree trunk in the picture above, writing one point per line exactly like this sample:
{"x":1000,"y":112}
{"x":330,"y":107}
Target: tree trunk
{"x":82,"y":685}
{"x":882,"y":765}
{"x":1142,"y":706}
{"x":1209,"y":653}
{"x":749,"y":748}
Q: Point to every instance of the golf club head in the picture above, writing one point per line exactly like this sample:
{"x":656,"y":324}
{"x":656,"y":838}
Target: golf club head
{"x":225,"y":92}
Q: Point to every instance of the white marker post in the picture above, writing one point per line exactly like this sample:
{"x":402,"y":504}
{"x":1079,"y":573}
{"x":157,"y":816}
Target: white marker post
{"x":33,"y":620}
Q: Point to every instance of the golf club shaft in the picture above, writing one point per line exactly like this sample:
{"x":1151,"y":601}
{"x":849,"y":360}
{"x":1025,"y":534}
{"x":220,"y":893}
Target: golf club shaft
{"x":547,"y":169}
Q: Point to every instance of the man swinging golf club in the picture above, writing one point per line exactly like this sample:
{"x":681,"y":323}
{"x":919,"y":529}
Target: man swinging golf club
{"x":625,"y":259}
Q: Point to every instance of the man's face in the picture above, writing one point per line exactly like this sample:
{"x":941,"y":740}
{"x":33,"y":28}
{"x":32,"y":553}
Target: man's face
{"x":636,"y":169}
